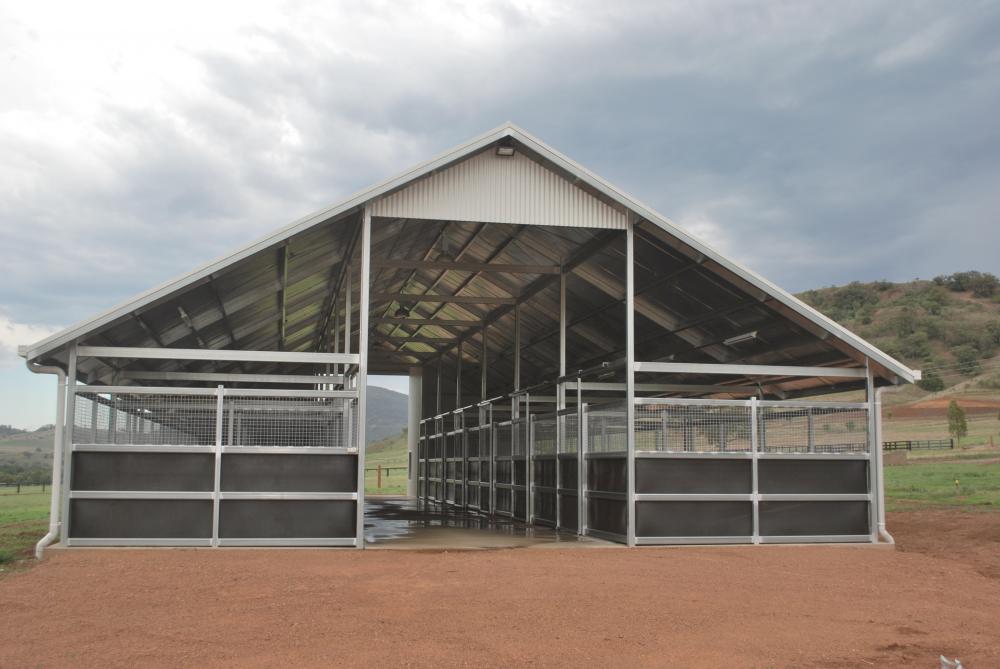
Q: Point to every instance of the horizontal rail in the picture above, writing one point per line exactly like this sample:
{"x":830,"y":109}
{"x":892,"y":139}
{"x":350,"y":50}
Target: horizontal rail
{"x":290,"y":450}
{"x":694,"y":497}
{"x":299,"y":542}
{"x":210,"y":392}
{"x":696,"y":455}
{"x":139,"y":494}
{"x":749,"y":370}
{"x":817,"y":539}
{"x":218,"y":355}
{"x":141,"y":448}
{"x":98,"y":543}
{"x":219,"y":377}
{"x":280,"y":496}
{"x":661,"y":541}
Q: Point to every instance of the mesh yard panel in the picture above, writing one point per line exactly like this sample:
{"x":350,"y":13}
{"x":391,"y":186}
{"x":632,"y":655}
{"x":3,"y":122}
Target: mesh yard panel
{"x":607,"y":430}
{"x":503,"y":437}
{"x":151,"y":419}
{"x":544,"y":435}
{"x":699,"y":428}
{"x":812,"y":429}
{"x":519,"y":434}
{"x":290,"y":421}
{"x":571,"y":434}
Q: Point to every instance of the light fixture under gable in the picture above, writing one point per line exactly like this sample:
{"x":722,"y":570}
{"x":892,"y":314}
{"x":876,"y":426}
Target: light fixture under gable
{"x":739,"y":339}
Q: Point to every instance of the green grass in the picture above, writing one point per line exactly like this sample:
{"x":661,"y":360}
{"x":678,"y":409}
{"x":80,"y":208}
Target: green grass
{"x":390,"y":453}
{"x":934,"y":484}
{"x":23,"y":521}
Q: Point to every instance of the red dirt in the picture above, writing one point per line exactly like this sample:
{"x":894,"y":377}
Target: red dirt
{"x":767,"y":606}
{"x":939,"y":408}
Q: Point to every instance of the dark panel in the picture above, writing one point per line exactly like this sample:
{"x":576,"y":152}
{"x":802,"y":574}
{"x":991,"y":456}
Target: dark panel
{"x":520,"y":469}
{"x":568,"y":473}
{"x":545,"y":506}
{"x":503,"y":500}
{"x":803,"y":518}
{"x":813,"y":476}
{"x":694,"y":519}
{"x":140,"y":518}
{"x":545,"y":473}
{"x":568,"y":511}
{"x":484,"y":471}
{"x":607,"y":474}
{"x":286,"y":519}
{"x":520,"y":506}
{"x":609,"y":515}
{"x":190,"y":472}
{"x":265,"y":472}
{"x":663,"y":475}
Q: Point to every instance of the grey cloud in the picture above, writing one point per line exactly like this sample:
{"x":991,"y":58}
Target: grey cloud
{"x":827,"y":142}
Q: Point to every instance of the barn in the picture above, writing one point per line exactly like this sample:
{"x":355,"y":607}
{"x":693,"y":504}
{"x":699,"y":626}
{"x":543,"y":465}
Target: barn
{"x":576,"y":361}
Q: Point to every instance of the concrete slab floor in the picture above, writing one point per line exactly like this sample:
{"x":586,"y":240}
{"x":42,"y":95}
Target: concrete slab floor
{"x":406,"y":523}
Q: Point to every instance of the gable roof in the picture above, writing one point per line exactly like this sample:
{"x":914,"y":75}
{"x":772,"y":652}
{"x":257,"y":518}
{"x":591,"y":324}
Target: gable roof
{"x":548,"y":157}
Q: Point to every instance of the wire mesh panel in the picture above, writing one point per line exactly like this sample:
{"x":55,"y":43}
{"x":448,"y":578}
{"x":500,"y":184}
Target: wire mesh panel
{"x":812,"y":429}
{"x":571,"y":434}
{"x":503,"y":437}
{"x":699,"y":428}
{"x":519,"y":436}
{"x":149,"y":419}
{"x":607,"y":429}
{"x":329,"y":422}
{"x":544,"y":435}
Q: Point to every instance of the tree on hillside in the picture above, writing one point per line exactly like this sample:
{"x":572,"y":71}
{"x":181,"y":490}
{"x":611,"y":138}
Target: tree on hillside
{"x":980,"y":284}
{"x":967,"y":358}
{"x":957,"y":425}
{"x":931,"y":382}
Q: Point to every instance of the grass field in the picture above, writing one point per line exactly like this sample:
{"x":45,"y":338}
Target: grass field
{"x":24,"y":518}
{"x":935,"y":478}
{"x":391,"y":454}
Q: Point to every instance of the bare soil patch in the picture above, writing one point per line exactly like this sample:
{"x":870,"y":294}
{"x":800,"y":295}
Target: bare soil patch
{"x":938,"y":407}
{"x":766,"y":606}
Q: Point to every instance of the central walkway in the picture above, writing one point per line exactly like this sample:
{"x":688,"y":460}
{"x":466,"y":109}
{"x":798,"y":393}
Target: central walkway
{"x":403,"y":522}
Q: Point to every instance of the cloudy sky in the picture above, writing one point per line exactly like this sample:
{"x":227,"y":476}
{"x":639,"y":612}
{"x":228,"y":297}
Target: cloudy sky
{"x":816,"y":142}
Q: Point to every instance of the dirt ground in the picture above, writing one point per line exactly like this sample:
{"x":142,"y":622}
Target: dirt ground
{"x":766,"y":606}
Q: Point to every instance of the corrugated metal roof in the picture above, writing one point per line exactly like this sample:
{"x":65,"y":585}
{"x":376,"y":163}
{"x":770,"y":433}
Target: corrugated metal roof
{"x":689,"y":298}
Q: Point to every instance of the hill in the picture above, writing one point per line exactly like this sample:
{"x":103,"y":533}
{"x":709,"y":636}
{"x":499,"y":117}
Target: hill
{"x":26,"y":456}
{"x":387,"y":413}
{"x":948,"y":327}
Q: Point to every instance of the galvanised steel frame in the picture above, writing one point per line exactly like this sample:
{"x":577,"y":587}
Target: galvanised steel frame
{"x":458,"y":476}
{"x":863,"y":449}
{"x":445,"y":476}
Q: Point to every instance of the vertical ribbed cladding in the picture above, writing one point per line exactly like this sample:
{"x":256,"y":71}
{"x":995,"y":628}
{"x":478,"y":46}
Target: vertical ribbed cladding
{"x":498,"y":189}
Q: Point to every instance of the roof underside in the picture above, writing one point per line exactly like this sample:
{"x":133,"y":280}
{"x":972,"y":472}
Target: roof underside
{"x":288,"y":292}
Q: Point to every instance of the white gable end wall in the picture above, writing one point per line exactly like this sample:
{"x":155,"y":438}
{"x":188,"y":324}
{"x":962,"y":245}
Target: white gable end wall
{"x":498,"y":189}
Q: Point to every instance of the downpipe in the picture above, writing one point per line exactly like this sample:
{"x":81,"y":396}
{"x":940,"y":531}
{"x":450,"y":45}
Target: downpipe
{"x":882,"y":532}
{"x":55,"y":526}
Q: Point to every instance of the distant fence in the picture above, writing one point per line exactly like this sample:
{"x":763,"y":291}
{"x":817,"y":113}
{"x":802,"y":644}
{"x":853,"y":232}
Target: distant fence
{"x":16,"y":487}
{"x":380,"y":471}
{"x":917,"y":445}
